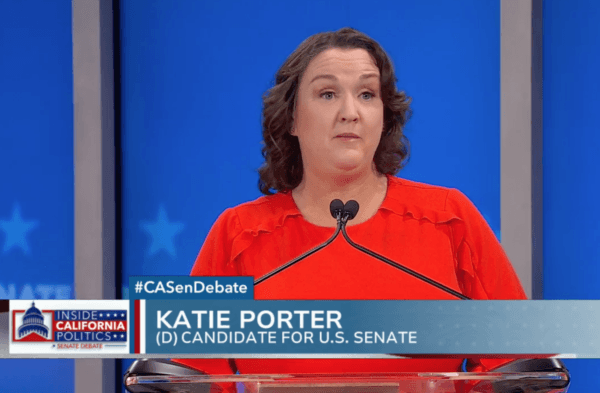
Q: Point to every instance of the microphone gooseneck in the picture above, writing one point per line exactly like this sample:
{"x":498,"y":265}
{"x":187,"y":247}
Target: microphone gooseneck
{"x":350,"y":210}
{"x":336,"y":207}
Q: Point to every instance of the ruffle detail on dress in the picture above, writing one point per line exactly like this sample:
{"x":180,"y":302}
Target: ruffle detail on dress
{"x":462,"y":251}
{"x":464,"y":259}
{"x":419,"y":201}
{"x":421,"y":213}
{"x":254,"y":222}
{"x":243,"y":241}
{"x":426,"y":202}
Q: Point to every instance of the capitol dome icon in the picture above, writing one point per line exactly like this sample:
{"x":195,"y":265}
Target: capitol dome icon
{"x":33,"y":322}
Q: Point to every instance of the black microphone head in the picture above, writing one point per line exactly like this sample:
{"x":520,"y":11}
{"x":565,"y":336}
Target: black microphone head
{"x":336,"y":207}
{"x":351,"y":209}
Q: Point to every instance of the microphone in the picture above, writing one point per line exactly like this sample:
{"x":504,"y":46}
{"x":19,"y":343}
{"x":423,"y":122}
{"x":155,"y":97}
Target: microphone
{"x":336,"y":208}
{"x":349,"y":212}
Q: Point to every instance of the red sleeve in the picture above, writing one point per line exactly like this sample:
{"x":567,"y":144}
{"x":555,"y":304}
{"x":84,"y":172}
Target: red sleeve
{"x":215,"y":256}
{"x":214,"y":259}
{"x":487,"y":272}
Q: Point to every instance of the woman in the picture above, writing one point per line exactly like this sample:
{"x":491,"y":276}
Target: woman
{"x":333,"y":129}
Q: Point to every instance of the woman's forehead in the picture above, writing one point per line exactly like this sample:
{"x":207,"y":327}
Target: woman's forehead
{"x":341,"y":61}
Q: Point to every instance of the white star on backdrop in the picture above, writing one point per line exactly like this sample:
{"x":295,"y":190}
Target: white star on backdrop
{"x":16,"y":230}
{"x":162,"y":233}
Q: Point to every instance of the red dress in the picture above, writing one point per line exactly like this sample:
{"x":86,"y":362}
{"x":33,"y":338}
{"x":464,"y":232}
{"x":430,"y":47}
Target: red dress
{"x":435,"y":231}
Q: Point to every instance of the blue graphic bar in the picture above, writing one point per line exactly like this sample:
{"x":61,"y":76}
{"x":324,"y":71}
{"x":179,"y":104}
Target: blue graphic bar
{"x":373,"y":327}
{"x":183,"y":287}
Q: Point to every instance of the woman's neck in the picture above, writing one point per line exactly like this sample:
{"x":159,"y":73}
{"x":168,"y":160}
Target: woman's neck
{"x":316,"y":191}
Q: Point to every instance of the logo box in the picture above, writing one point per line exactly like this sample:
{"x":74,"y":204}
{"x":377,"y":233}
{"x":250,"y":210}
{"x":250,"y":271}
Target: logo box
{"x":69,"y":327}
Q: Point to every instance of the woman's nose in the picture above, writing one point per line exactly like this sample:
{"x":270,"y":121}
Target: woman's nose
{"x":348,"y":111}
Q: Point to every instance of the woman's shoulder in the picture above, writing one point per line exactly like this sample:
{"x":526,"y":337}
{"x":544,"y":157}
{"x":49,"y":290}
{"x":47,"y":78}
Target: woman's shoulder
{"x":424,"y":200}
{"x":262,"y":214}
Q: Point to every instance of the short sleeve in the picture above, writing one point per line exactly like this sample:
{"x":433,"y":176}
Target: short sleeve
{"x":486,"y":271}
{"x":215,"y":257}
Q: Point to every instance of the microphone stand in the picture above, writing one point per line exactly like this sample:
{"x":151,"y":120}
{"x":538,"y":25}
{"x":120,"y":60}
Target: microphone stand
{"x":337,"y":209}
{"x":349,"y":215}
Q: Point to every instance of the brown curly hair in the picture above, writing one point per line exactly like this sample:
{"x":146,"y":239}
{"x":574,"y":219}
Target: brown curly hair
{"x":282,"y":169}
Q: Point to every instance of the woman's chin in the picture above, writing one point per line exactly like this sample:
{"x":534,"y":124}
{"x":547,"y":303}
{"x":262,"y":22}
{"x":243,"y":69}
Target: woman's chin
{"x":343,"y":165}
{"x":350,"y":167}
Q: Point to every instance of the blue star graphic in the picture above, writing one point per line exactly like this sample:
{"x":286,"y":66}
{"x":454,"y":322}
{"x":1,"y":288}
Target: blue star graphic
{"x":162,"y":233}
{"x":16,"y":230}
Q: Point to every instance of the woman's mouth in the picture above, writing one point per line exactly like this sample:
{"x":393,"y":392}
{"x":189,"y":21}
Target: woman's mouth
{"x":348,"y":135}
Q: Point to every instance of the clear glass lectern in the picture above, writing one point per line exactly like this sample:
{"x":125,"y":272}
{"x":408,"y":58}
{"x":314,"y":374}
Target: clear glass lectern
{"x":163,"y":376}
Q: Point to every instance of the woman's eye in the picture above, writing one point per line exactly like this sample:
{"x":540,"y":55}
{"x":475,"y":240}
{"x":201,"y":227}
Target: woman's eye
{"x":328,"y":95}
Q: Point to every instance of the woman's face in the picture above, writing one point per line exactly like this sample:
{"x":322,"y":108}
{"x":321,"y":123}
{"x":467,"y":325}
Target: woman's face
{"x":339,"y":112}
